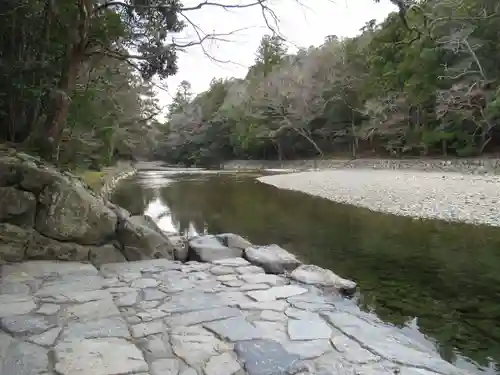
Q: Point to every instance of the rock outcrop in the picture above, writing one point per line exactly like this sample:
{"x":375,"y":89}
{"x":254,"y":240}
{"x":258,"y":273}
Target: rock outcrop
{"x":272,"y":258}
{"x":314,"y":275}
{"x":47,"y":214}
{"x":209,"y":248}
{"x":234,"y":241}
{"x":69,"y":212}
{"x":141,"y":239}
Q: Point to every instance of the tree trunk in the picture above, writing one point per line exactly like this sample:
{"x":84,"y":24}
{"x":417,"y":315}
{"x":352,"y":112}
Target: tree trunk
{"x":60,"y":101}
{"x":355,"y":141}
{"x":49,"y":134}
{"x":303,"y":133}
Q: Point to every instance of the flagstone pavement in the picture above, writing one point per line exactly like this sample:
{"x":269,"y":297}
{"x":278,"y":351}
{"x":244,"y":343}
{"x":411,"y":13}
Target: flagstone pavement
{"x":161,"y":317}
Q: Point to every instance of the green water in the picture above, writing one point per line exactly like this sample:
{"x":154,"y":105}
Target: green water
{"x":435,"y":279}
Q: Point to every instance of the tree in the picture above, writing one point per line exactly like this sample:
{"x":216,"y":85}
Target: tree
{"x":270,"y":54}
{"x":291,"y":98}
{"x":50,"y":44}
{"x":181,"y":99}
{"x":425,"y":81}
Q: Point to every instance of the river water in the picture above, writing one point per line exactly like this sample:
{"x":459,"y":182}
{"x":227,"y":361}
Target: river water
{"x":438,"y":281}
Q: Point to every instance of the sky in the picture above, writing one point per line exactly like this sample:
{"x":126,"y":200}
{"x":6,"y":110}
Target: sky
{"x":302,"y":26}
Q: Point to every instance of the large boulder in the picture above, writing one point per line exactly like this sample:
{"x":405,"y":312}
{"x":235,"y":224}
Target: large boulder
{"x":234,"y":241}
{"x":44,"y":248}
{"x":69,"y":212}
{"x":18,"y":244}
{"x":17,"y":206}
{"x":99,"y":255}
{"x":13,"y":242}
{"x":180,"y":244}
{"x":9,"y":174}
{"x":140,"y":239}
{"x":27,"y":172}
{"x":311,"y":274}
{"x":272,"y":258}
{"x":66,"y":210}
{"x":121,"y":213}
{"x":49,"y":214}
{"x":208,"y":248}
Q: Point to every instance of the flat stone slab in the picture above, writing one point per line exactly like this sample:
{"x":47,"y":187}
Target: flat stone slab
{"x":208,"y":248}
{"x":11,"y":305}
{"x":110,"y":356}
{"x":277,"y":292}
{"x":308,"y":329}
{"x":234,"y":329}
{"x":312,"y":274}
{"x":308,"y":349}
{"x":265,"y":357}
{"x":102,"y":328}
{"x":272,"y":258}
{"x":21,"y":358}
{"x":232,"y":262}
{"x":195,"y":345}
{"x":201,"y":316}
{"x":160,"y":317}
{"x":388,"y":343}
{"x":25,"y":324}
{"x":224,"y":364}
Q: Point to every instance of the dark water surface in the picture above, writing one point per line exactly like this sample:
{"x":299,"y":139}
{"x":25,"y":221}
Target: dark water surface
{"x":436,"y":280}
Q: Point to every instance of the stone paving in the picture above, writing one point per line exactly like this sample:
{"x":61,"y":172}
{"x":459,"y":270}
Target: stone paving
{"x":161,"y":317}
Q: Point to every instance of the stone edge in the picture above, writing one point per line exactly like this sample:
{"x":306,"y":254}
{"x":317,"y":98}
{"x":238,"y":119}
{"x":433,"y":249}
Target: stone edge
{"x":113,"y":177}
{"x":464,"y":166}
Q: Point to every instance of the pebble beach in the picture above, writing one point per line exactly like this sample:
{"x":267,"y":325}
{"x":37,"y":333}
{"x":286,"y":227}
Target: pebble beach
{"x":437,"y":195}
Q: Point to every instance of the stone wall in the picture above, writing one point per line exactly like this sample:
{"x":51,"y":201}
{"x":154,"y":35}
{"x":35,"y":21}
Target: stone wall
{"x":114,"y":175}
{"x":52,"y":215}
{"x":465,"y":166}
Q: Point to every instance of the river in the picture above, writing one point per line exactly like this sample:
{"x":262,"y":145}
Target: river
{"x":438,"y":281}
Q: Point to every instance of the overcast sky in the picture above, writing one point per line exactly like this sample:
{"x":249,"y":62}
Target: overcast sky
{"x":302,"y":25}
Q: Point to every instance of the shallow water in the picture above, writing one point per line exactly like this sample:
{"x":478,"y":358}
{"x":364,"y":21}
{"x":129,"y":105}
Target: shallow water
{"x":438,"y":281}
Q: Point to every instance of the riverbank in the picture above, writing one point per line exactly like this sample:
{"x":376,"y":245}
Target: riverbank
{"x":464,"y":166}
{"x":229,"y":308}
{"x":225,"y":317}
{"x":446,"y":196}
{"x":49,"y":214}
{"x":105,"y":181}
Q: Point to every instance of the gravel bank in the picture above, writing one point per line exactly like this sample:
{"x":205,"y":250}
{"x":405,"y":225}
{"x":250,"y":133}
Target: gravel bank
{"x":476,"y":166}
{"x":447,"y":196}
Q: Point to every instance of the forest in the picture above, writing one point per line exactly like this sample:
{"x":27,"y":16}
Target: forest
{"x":79,"y":82}
{"x":79,"y":79}
{"x":423,"y":83}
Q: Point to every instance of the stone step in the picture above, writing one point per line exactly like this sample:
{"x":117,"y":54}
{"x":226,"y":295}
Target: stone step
{"x":161,"y":317}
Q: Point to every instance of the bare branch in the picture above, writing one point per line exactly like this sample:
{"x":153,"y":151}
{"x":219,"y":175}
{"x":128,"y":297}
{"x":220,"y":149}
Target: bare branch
{"x":223,"y":6}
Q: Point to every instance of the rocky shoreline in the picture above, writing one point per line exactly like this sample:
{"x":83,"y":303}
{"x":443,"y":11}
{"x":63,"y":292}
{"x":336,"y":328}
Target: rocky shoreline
{"x":83,"y":293}
{"x":463,"y":166}
{"x":114,"y":176}
{"x":46,"y":214}
{"x":223,"y":317}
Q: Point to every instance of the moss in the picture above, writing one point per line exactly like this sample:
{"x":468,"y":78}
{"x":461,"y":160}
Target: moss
{"x":94,"y":179}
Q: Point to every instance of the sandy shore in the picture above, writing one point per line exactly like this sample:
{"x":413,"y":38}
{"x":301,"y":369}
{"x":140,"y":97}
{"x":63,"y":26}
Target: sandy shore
{"x":447,"y":196}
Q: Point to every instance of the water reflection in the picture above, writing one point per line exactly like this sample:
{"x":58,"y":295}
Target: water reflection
{"x":437,"y":281}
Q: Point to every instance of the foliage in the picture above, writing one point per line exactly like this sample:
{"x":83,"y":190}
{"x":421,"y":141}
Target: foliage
{"x":93,"y":179}
{"x":423,"y":82}
{"x":75,"y":75}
